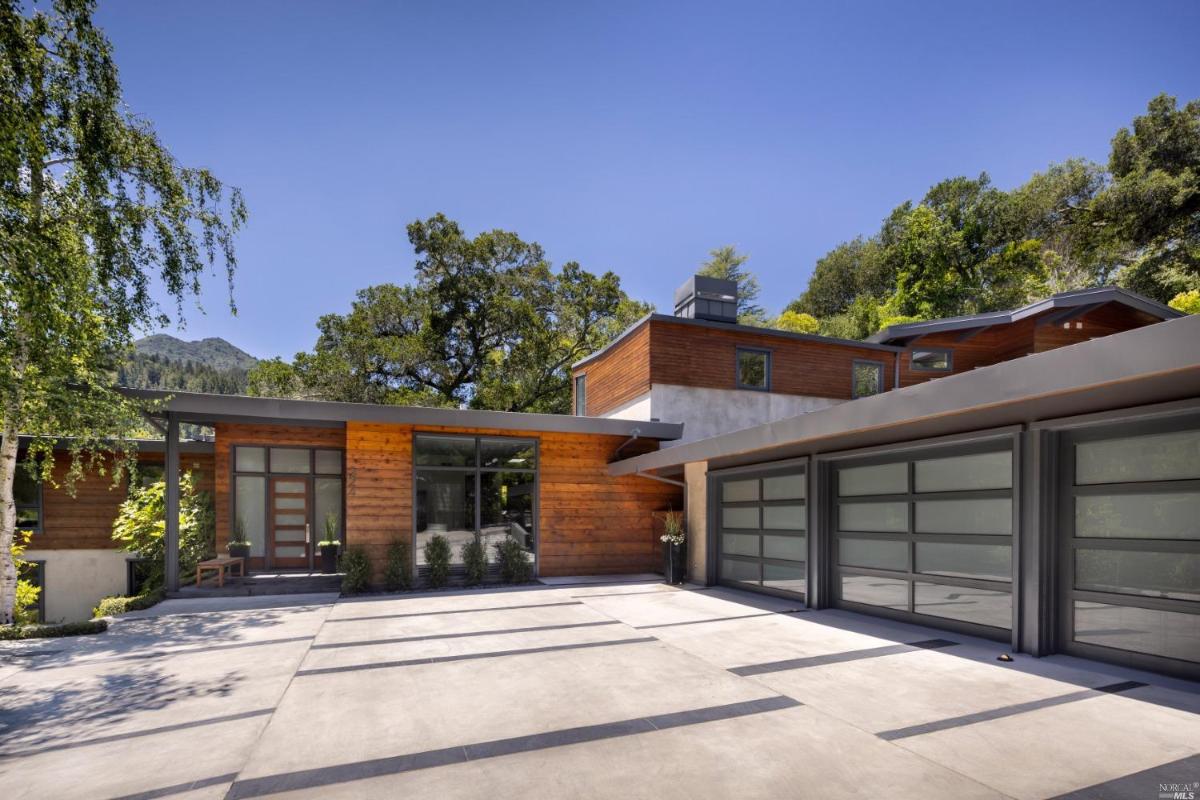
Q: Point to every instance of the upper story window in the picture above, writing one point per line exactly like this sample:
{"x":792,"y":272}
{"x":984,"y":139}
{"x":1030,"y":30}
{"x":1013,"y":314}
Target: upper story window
{"x":931,"y":360}
{"x":753,"y":369}
{"x":27,"y":492}
{"x":581,"y":396}
{"x":868,"y":378}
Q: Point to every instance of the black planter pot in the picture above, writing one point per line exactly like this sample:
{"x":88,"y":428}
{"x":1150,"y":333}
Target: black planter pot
{"x":329,"y":555}
{"x":674,"y":562}
{"x":239,"y":550}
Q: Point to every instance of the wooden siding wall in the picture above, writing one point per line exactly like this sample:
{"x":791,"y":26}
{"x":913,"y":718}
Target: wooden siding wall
{"x":84,"y":521}
{"x":230,"y":434}
{"x":618,"y":376}
{"x":687,"y":355}
{"x":1006,"y":342}
{"x":589,"y":522}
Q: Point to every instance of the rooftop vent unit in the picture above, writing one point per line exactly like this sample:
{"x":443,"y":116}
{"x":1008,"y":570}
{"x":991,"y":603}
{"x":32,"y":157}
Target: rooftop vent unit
{"x":713,"y":299}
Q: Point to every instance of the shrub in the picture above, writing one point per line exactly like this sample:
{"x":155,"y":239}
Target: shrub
{"x":514,"y":564}
{"x":437,"y":558}
{"x":355,"y":566}
{"x":397,"y":570}
{"x":25,"y":604}
{"x":116,"y":606}
{"x":140,"y":527}
{"x":474,"y":557}
{"x":9,"y":632}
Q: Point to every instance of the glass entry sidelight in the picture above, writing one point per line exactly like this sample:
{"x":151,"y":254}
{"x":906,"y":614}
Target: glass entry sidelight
{"x":291,"y":533}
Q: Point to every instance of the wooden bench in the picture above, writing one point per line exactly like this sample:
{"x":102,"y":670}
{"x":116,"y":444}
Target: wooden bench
{"x":218,"y":565}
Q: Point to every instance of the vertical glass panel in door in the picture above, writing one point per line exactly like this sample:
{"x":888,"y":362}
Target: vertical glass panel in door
{"x":250,"y":504}
{"x":328,"y":462}
{"x":446,"y":507}
{"x":327,"y":505}
{"x":506,"y":509}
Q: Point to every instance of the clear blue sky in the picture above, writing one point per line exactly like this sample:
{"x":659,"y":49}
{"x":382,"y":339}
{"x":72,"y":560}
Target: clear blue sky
{"x":626,"y":136}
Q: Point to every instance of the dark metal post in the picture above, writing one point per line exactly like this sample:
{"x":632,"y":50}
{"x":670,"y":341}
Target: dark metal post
{"x":172,"y":481}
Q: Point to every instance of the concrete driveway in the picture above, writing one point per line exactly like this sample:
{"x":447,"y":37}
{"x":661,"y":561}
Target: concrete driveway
{"x":622,"y":690}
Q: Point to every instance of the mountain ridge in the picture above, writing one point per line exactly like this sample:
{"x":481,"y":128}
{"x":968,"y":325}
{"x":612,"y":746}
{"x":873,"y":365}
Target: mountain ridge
{"x":212,"y":351}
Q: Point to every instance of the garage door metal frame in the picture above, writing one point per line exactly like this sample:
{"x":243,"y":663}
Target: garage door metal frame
{"x":716,"y":479}
{"x":1067,"y":545}
{"x":981,"y":442}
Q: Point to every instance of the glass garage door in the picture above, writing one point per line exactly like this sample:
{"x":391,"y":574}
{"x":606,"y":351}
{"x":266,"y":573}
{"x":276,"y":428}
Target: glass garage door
{"x":1130,"y":545}
{"x":762,"y":522}
{"x":927,"y":538}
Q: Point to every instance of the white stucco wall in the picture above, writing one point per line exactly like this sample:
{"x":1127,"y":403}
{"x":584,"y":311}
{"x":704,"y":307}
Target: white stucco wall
{"x":710,"y":412}
{"x":77,"y":579}
{"x":637,"y":408}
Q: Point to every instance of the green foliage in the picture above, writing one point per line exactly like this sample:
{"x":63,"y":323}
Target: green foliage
{"x":96,"y":216}
{"x":487,"y":323}
{"x":515,"y":566}
{"x":274,"y":378}
{"x":969,"y":247}
{"x":333,"y":533}
{"x":116,"y":606}
{"x":796,"y":322}
{"x":726,"y":263}
{"x":397,"y":570}
{"x":355,"y":566}
{"x":474,"y":557}
{"x":437,"y":559}
{"x":673,"y":532}
{"x":14,"y":632}
{"x":140,"y":527}
{"x":25,"y":606}
{"x":1187,"y":302}
{"x":142,"y":371}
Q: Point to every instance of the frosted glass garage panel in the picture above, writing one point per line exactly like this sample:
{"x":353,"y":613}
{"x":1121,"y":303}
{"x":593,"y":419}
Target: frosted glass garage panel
{"x":734,"y":570}
{"x":988,"y":516}
{"x":882,"y":517}
{"x":873,"y":553}
{"x":288,"y":459}
{"x":744,"y":518}
{"x":739,"y":491}
{"x":788,"y":577}
{"x":964,"y":473}
{"x":1171,"y":575}
{"x":980,"y":606}
{"x":877,"y":479}
{"x":1157,"y":457}
{"x":789,"y":548}
{"x":1141,"y":630}
{"x":784,"y":487}
{"x":785,"y":518}
{"x":954,"y":559}
{"x":250,"y":459}
{"x":740,"y":544}
{"x":1156,"y":515}
{"x":873,"y":591}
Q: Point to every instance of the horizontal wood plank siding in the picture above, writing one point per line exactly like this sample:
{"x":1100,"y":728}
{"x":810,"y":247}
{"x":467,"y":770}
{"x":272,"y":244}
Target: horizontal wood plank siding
{"x":686,"y":355}
{"x":619,"y":375}
{"x":589,"y":522}
{"x":1103,"y":321}
{"x":84,"y":520}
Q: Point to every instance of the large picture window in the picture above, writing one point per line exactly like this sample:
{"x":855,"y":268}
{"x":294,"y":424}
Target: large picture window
{"x":470,"y":484}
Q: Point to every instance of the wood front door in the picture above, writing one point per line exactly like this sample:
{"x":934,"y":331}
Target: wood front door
{"x":290,"y":544}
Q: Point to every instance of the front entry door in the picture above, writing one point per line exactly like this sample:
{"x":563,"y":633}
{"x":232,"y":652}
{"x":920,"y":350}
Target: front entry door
{"x":289,"y":544}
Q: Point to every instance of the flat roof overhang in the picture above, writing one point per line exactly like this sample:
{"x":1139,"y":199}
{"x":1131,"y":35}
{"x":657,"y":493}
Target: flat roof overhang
{"x":189,"y":447}
{"x":209,"y":408}
{"x":1157,"y":363}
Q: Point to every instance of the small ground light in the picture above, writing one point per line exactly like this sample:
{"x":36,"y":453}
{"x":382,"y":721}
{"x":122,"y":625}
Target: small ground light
{"x":1004,"y":657}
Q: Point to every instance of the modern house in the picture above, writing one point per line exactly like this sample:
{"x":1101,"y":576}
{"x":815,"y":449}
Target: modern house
{"x":703,"y":369}
{"x":1044,"y":491}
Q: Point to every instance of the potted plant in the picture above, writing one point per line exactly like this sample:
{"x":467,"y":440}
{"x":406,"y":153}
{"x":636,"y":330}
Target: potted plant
{"x":330,"y":544}
{"x":239,"y":547}
{"x":674,"y":540}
